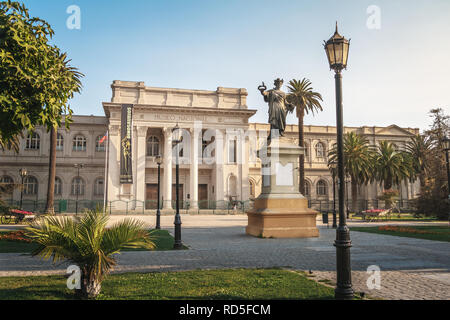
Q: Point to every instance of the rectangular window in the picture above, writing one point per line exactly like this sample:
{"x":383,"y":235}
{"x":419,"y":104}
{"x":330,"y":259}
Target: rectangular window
{"x":232,"y":151}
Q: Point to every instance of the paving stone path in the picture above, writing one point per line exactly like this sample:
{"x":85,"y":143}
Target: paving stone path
{"x":410,"y":268}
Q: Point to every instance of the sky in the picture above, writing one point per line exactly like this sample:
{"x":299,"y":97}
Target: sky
{"x":398,"y":69}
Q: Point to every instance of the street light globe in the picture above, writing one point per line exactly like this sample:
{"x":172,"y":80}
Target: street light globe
{"x":446,"y":144}
{"x":158,"y":159}
{"x":176,"y":134}
{"x":337,"y":49}
{"x":23,"y":172}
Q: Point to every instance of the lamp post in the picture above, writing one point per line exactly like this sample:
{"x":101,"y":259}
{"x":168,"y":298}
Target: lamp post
{"x":347,"y":183}
{"x":446,"y":143}
{"x":78,"y":166}
{"x":158,"y":211}
{"x":337,"y":52}
{"x":177,"y":140}
{"x":23,"y":173}
{"x":333,"y":167}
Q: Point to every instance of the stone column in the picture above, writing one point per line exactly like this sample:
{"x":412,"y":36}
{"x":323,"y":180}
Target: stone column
{"x":194,"y":169}
{"x":140,"y":164}
{"x":219,"y":158}
{"x":113,"y":164}
{"x":167,"y":192}
{"x":243,"y":162}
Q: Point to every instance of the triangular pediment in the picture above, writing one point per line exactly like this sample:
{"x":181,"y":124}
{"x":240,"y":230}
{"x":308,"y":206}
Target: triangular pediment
{"x":393,"y":130}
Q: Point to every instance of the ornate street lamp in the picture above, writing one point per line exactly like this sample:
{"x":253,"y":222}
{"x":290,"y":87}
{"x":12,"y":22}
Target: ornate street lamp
{"x":337,"y":49}
{"x":176,"y":138}
{"x":23,"y":173}
{"x":333,"y":169}
{"x":77,"y":166}
{"x":158,"y":160}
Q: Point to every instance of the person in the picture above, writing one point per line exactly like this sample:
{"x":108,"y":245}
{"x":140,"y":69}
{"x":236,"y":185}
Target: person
{"x":278,"y":106}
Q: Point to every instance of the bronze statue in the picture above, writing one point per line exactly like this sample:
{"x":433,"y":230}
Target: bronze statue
{"x":278,"y":106}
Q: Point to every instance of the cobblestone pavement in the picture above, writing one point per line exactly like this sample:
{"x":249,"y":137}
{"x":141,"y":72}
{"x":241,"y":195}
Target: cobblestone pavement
{"x":410,"y":268}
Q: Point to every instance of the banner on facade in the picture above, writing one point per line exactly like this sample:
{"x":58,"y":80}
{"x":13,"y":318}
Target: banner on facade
{"x":126,"y":175}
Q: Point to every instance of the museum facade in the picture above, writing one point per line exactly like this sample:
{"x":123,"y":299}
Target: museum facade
{"x":217,"y":153}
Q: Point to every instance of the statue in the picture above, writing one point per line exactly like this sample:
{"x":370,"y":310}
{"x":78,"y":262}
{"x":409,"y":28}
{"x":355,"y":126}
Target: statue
{"x":278,"y":106}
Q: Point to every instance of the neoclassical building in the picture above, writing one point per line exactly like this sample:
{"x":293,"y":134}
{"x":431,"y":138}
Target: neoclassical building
{"x":217,"y":155}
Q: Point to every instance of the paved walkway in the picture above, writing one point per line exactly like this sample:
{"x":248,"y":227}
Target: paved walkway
{"x":410,"y":268}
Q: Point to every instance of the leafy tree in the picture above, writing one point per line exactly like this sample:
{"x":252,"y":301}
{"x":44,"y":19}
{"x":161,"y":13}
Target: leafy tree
{"x":307,"y":101}
{"x":433,"y":199}
{"x":36,"y":81}
{"x":86,"y":242}
{"x":358,"y":161}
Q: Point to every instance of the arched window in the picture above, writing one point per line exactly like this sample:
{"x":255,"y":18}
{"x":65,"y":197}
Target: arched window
{"x":33,"y":142}
{"x":153,"y":146}
{"x":58,"y":186}
{"x":79,"y":143}
{"x":100,"y":145}
{"x":30,"y":185}
{"x":59,"y":142}
{"x":7,"y":182}
{"x":77,"y":186}
{"x":252,"y":188}
{"x":320,"y":150}
{"x":307,"y":189}
{"x":99,"y":186}
{"x":322,"y":188}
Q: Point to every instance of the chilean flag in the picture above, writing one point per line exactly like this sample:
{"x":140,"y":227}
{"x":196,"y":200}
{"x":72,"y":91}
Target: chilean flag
{"x":104,"y":138}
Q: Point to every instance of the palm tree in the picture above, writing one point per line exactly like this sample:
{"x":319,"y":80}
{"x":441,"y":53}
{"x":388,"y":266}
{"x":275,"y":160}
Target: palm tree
{"x":358,"y":161}
{"x":392,"y":166}
{"x":70,"y":83}
{"x":419,"y":148}
{"x":86,"y":242}
{"x":301,"y":95}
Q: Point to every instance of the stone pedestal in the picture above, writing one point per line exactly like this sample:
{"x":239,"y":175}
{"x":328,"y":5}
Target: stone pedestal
{"x":281,"y":211}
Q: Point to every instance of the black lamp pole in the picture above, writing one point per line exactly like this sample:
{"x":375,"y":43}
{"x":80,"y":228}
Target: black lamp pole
{"x":23,"y":173}
{"x":77,"y":187}
{"x":334,"y":201}
{"x":337,"y":53}
{"x":178,"y":244}
{"x":446,"y":150}
{"x":158,"y":211}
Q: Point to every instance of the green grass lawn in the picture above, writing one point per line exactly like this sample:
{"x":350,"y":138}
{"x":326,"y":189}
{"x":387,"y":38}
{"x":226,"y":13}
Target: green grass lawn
{"x":437,"y":233}
{"x":241,"y":284}
{"x":401,"y":217}
{"x":162,"y":238}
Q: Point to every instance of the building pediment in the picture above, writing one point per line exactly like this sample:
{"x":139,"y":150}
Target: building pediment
{"x":393,"y":130}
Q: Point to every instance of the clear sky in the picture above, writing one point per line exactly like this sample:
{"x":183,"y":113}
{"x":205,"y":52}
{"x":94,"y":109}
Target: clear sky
{"x":396,"y":74}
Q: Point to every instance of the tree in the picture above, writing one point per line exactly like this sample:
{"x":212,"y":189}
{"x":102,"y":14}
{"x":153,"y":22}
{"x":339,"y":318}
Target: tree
{"x":358,"y":161}
{"x":392,"y":166}
{"x":433,"y":199}
{"x":36,"y":81}
{"x":419,"y":148}
{"x":86,"y":242}
{"x":301,"y":95}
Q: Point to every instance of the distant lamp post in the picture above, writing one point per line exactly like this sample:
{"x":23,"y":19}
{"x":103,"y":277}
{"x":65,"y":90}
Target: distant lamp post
{"x":177,"y":135}
{"x":333,"y":168}
{"x":446,"y":144}
{"x":347,"y":183}
{"x":158,"y":211}
{"x":23,"y":173}
{"x":337,"y":49}
{"x":78,"y":166}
